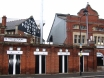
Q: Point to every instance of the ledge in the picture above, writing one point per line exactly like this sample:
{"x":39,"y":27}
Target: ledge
{"x":15,"y":35}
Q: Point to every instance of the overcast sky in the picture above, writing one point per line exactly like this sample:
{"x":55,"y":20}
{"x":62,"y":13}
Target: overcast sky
{"x":25,"y":8}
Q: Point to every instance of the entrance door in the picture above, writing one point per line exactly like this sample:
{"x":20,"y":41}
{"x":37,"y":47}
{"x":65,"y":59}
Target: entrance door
{"x":43,"y":64}
{"x":10,"y":64}
{"x":66,"y":65}
{"x":14,"y":64}
{"x":60,"y":64}
{"x":17,"y":64}
{"x":99,"y":61}
{"x":37,"y":64}
{"x":63,"y":63}
{"x":100,"y":58}
{"x":81,"y":62}
{"x":40,"y":64}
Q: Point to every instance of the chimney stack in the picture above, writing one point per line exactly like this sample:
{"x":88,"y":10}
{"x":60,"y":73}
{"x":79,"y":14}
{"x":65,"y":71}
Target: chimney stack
{"x":4,"y":20}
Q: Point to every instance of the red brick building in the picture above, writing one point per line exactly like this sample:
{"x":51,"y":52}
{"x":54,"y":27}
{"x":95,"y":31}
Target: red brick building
{"x":66,"y":30}
{"x":21,"y":53}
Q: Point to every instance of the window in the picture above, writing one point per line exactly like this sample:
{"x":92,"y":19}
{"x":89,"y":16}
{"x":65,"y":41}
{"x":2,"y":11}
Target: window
{"x":98,"y":39}
{"x":95,"y":39}
{"x":83,"y":39}
{"x":102,"y":40}
{"x":75,"y":38}
{"x":75,"y":26}
{"x":78,"y":38}
{"x":94,"y":28}
{"x":83,"y":27}
{"x":98,"y":29}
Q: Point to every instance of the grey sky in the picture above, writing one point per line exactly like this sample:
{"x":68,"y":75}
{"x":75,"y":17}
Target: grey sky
{"x":25,"y":8}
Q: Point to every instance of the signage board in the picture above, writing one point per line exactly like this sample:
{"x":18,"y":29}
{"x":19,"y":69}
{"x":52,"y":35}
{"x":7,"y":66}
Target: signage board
{"x":63,"y":53}
{"x":9,"y":39}
{"x":87,"y":51}
{"x":99,"y":54}
{"x":40,"y":53}
{"x":99,"y":46}
{"x":84,"y":54}
{"x":14,"y":52}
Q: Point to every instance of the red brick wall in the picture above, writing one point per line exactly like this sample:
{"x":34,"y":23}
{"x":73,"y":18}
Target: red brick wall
{"x":27,"y":65}
{"x":93,"y":20}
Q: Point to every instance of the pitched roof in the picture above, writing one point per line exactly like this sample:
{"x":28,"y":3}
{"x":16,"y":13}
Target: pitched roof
{"x":11,"y":24}
{"x":62,"y":16}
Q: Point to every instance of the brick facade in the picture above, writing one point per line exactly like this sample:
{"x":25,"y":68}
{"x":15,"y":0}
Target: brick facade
{"x":27,"y":59}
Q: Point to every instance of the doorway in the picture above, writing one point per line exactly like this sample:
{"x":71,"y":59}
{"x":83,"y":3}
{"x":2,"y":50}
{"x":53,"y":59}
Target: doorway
{"x":63,"y":61}
{"x":99,"y":59}
{"x":81,"y":62}
{"x":39,"y":64}
{"x":14,"y":64}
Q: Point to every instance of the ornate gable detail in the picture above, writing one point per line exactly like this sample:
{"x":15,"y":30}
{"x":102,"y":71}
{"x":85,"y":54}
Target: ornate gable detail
{"x":90,"y":11}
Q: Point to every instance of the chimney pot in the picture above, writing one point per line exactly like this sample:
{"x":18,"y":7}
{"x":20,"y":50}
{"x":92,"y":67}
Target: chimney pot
{"x":4,"y":20}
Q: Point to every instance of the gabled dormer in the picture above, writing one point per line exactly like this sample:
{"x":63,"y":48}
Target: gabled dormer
{"x":93,"y":15}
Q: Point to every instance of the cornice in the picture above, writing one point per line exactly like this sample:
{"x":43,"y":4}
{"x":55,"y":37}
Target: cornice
{"x":84,"y":22}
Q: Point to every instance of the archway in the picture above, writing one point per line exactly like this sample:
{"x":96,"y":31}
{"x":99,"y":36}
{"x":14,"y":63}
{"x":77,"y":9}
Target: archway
{"x":100,"y":58}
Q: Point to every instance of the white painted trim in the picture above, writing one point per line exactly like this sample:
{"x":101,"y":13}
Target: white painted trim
{"x":37,"y":49}
{"x":40,"y":60}
{"x":44,"y":49}
{"x":40,"y":53}
{"x":63,"y":62}
{"x":14,"y":52}
{"x":10,"y":48}
{"x":87,"y":54}
{"x":63,"y":53}
{"x":83,"y":63}
{"x":18,"y":48}
{"x":14,"y":64}
{"x":99,"y":54}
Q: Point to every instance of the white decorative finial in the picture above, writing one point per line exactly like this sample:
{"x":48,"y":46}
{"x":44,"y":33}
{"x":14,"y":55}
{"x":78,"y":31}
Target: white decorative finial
{"x":87,"y":3}
{"x":60,"y":50}
{"x":37,"y":49}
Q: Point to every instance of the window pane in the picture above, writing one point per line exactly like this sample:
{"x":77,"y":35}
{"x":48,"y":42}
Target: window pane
{"x":79,"y":39}
{"x":83,"y":39}
{"x":95,"y":37}
{"x":75,"y":38}
{"x":98,"y":39}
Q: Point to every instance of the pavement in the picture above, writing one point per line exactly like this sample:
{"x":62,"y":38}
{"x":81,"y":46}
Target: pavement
{"x":69,"y":75}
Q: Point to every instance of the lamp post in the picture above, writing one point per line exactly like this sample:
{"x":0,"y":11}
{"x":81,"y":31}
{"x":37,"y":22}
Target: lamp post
{"x":80,"y":47}
{"x":85,"y":13}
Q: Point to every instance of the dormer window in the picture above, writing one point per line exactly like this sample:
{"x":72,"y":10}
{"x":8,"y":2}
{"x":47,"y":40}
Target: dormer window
{"x":75,"y":26}
{"x":98,"y":29}
{"x":83,"y":27}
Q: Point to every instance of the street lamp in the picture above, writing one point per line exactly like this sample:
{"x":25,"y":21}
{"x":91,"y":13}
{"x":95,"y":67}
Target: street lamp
{"x":85,"y":13}
{"x":80,"y":47}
